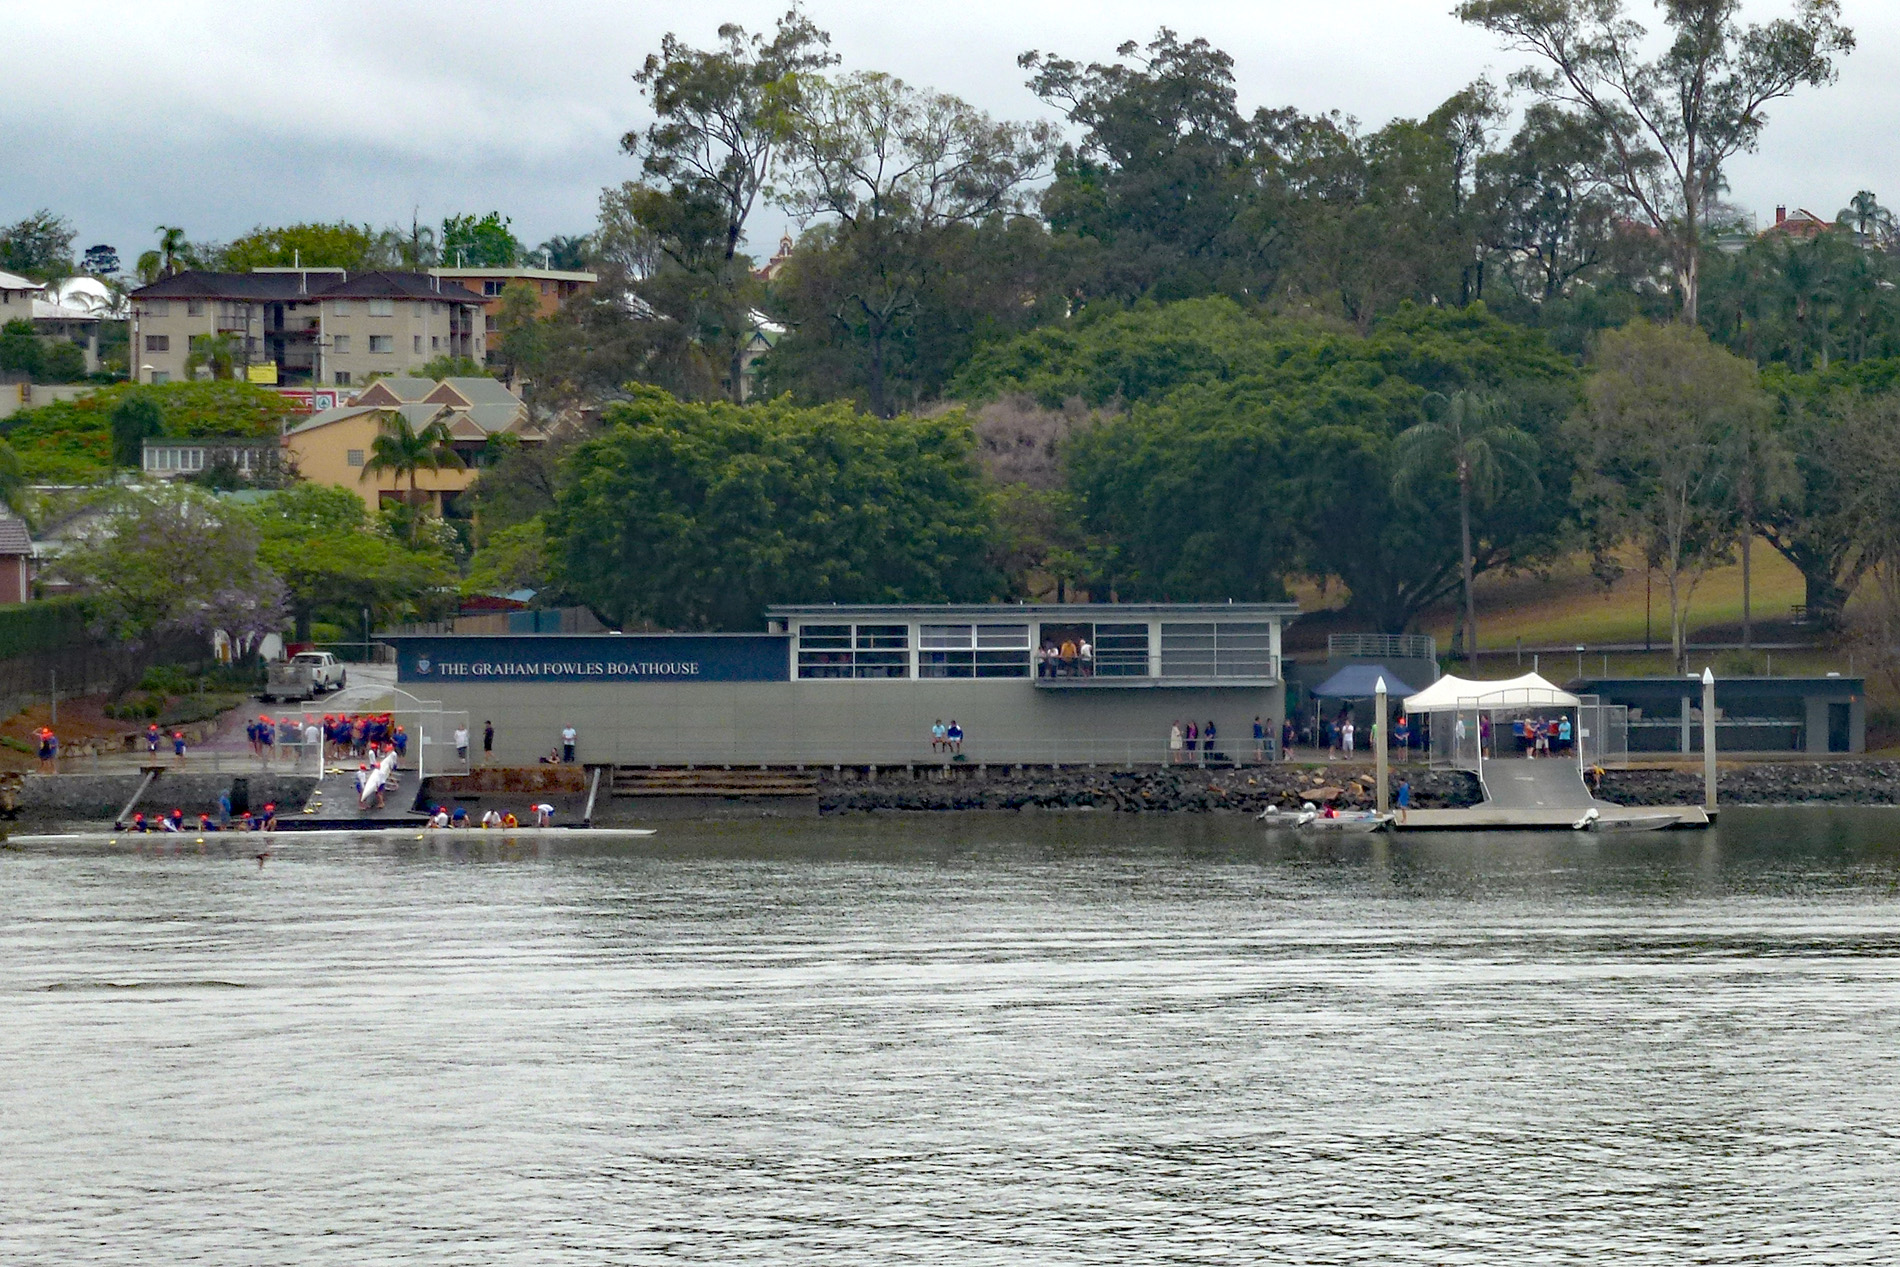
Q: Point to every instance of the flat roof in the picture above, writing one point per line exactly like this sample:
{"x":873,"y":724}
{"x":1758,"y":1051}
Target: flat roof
{"x":538,"y":274}
{"x":1076,"y":613}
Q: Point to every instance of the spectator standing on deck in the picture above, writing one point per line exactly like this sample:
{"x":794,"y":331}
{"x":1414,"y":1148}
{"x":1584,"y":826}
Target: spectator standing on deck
{"x":461,"y":745}
{"x":488,"y":742}
{"x":568,"y":739}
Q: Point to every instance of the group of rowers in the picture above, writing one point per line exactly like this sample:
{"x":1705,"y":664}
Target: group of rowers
{"x":342,"y":734}
{"x":250,"y":820}
{"x":541,"y":815}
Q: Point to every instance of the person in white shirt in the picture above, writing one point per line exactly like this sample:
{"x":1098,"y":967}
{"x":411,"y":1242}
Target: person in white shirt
{"x":543,"y":815}
{"x":491,"y":818}
{"x":461,"y":743}
{"x":567,"y":745}
{"x":1087,"y":655}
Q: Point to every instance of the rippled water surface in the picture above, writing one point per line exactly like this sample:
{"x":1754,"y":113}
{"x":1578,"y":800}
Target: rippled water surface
{"x":961,"y":1040}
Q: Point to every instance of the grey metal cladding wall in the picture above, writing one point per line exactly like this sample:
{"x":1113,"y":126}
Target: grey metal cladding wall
{"x":848,"y":722}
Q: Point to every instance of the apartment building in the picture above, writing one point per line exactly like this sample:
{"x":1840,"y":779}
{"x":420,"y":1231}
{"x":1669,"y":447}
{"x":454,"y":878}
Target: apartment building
{"x":318,"y":327}
{"x":554,"y":286}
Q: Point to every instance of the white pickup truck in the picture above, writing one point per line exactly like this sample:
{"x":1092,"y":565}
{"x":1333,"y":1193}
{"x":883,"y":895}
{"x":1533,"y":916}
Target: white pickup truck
{"x":305,"y":675}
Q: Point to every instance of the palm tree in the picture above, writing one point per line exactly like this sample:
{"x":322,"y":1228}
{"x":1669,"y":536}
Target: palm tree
{"x":173,"y":252}
{"x":1467,"y":432}
{"x":402,"y":450}
{"x":1866,"y":217}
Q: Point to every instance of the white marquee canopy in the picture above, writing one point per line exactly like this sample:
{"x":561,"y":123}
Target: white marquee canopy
{"x":1450,"y":694}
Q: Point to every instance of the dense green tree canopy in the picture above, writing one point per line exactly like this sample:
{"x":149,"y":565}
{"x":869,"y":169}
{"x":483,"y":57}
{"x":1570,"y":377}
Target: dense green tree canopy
{"x":334,"y":560}
{"x":71,"y":441}
{"x":339,"y":245}
{"x":1253,"y":449}
{"x":469,"y":241}
{"x":697,"y":516}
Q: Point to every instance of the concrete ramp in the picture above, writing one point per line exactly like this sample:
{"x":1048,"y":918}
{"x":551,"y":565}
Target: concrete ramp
{"x":1520,"y":783}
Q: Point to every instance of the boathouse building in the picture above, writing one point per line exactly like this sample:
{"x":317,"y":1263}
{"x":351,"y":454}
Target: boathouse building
{"x":865,"y":684}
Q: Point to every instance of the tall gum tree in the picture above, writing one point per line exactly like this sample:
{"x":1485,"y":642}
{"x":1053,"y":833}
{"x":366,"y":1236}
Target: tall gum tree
{"x":1671,"y":121}
{"x":1656,"y":445}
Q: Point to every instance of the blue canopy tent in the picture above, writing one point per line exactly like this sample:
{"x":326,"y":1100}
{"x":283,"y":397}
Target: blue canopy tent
{"x":1356,"y":681}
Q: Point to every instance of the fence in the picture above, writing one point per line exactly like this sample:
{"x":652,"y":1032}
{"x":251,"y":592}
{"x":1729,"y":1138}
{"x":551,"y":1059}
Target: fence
{"x":567,"y":620}
{"x":1465,"y":739}
{"x":87,"y":666}
{"x":1146,"y":750}
{"x":1381,"y":646}
{"x":1603,"y":732}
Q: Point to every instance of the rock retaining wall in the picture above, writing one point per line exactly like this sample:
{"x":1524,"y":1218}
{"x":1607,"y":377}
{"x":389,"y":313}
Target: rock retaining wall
{"x":1780,"y":783}
{"x":1189,"y":790}
{"x":45,"y":798}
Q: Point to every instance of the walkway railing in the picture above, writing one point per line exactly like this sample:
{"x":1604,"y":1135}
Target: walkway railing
{"x":1383,"y":646}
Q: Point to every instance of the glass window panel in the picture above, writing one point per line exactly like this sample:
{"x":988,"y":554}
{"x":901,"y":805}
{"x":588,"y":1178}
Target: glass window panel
{"x":883,"y":637}
{"x":1010,"y":637}
{"x":945,"y":664}
{"x":1002,"y":663}
{"x":1187,"y":650}
{"x":825,"y":636}
{"x":946,"y":637}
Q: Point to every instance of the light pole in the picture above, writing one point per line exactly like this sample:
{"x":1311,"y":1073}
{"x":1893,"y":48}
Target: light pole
{"x":1384,"y":797}
{"x":1708,"y":740}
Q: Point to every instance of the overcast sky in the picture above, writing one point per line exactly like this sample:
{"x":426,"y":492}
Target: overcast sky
{"x":217,"y":116}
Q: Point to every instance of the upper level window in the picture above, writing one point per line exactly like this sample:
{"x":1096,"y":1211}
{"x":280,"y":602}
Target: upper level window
{"x":158,"y":343}
{"x":492,"y":286}
{"x":194,"y":307}
{"x":340,"y":307}
{"x":1218,"y":649}
{"x":853,"y":651}
{"x":1121,"y":651}
{"x":156,"y":308}
{"x":340,"y":344}
{"x":353,"y":457}
{"x":382,"y":307}
{"x":964,"y":651}
{"x":382,"y":343}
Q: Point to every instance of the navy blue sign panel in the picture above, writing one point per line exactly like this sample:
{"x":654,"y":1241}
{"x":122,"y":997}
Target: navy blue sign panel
{"x":462,"y":659}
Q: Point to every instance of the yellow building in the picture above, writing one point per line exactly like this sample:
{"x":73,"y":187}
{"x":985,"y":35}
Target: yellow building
{"x":336,"y":446}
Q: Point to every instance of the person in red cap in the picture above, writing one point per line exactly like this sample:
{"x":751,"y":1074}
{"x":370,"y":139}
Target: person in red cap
{"x":178,"y":745}
{"x":270,"y":816}
{"x":151,"y":738}
{"x":266,"y":736}
{"x":49,"y":750}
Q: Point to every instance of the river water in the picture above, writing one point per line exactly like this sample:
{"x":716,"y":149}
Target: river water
{"x":1010,"y":1039}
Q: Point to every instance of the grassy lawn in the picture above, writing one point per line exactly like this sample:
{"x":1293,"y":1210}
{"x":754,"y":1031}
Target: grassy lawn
{"x":1570,"y":606}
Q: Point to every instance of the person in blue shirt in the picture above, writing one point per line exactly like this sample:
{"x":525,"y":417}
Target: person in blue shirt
{"x":1404,"y":798}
